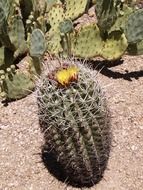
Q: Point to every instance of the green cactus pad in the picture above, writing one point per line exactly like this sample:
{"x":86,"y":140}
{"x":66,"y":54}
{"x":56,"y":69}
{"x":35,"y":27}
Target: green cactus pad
{"x":55,"y":15}
{"x":54,"y":43}
{"x":74,"y":8}
{"x":17,"y":32}
{"x":17,"y":35}
{"x":4,"y":38}
{"x":115,"y":46}
{"x":37,"y":49}
{"x":37,"y":43}
{"x":66,"y":26}
{"x":50,"y":4}
{"x":106,"y":13}
{"x":75,"y":123}
{"x":134,"y":27}
{"x":140,"y":48}
{"x":3,"y":23}
{"x":19,"y":87}
{"x":6,"y":5}
{"x":121,"y":20}
{"x":87,"y":42}
{"x":136,"y":49}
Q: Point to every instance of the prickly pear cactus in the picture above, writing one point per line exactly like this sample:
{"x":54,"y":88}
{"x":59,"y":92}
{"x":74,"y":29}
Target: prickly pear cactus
{"x":37,"y":43}
{"x":4,"y":38}
{"x":88,"y":43}
{"x":122,"y":19}
{"x":75,"y":8}
{"x":17,"y":36}
{"x":50,"y":3}
{"x":66,"y":26}
{"x":134,"y":29}
{"x":37,"y":49}
{"x":19,"y":87}
{"x":115,"y":46}
{"x":6,"y":5}
{"x":135,"y":49}
{"x":56,"y":15}
{"x":106,"y":13}
{"x":18,"y":20}
{"x":75,"y":121}
{"x":14,"y":84}
{"x":61,"y":11}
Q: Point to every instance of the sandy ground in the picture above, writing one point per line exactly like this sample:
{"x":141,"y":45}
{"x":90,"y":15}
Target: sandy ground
{"x":20,"y":137}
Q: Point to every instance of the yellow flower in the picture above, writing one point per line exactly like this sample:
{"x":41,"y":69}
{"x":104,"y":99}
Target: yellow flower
{"x":65,"y":76}
{"x":73,"y":72}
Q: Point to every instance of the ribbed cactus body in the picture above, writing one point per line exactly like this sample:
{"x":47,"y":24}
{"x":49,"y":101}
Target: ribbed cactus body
{"x":75,"y":123}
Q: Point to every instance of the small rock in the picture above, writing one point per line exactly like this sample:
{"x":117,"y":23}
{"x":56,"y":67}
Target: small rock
{"x":2,"y":127}
{"x":134,"y":147}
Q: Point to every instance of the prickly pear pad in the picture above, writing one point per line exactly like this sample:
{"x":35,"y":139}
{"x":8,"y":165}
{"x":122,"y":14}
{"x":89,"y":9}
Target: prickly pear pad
{"x":87,"y":41}
{"x":75,"y":8}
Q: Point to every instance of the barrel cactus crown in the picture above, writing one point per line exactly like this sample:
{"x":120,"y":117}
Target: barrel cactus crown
{"x":75,"y":122}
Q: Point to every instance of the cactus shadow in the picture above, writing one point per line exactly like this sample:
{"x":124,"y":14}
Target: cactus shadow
{"x":56,"y":169}
{"x":104,"y":67}
{"x":50,"y":162}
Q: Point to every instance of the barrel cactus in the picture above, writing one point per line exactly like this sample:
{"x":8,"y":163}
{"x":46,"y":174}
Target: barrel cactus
{"x":75,"y":121}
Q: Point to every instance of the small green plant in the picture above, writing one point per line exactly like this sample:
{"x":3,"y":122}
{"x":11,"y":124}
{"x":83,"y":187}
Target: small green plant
{"x":74,"y":119}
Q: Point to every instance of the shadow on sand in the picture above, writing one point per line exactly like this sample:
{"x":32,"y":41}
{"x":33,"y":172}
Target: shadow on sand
{"x":104,"y":68}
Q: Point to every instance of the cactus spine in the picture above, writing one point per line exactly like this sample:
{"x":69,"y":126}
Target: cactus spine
{"x":75,"y":122}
